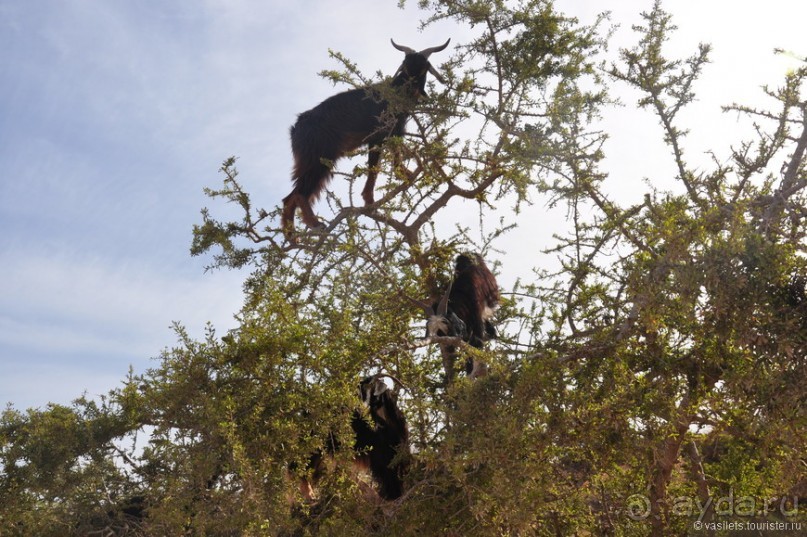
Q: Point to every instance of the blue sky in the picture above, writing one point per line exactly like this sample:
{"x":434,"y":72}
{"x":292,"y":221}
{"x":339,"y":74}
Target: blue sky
{"x":115,"y":114}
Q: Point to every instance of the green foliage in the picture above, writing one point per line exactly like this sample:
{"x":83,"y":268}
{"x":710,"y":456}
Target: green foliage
{"x":665,"y":359}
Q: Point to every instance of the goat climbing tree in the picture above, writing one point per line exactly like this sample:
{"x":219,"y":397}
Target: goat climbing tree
{"x":659,"y":368}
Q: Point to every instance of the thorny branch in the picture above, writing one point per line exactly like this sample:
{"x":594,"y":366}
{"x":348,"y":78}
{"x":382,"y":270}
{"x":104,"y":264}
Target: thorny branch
{"x":791,"y":183}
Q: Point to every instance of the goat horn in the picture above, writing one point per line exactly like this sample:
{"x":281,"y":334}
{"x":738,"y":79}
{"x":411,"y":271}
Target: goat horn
{"x":436,"y":75}
{"x":442,"y":308}
{"x":403,"y":48}
{"x":427,"y":51}
{"x":422,"y":305}
{"x":395,"y":379}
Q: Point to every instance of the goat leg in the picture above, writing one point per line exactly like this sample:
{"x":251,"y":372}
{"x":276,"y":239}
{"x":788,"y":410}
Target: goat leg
{"x":372,"y":173}
{"x":290,"y":204}
{"x":308,"y":215}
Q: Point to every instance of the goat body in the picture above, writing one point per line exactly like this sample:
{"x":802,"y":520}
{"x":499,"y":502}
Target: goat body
{"x":347,"y":121}
{"x":379,"y":441}
{"x":468,"y":306}
{"x":378,"y":445}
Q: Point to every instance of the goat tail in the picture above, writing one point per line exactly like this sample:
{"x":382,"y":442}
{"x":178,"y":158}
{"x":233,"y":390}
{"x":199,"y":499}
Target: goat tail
{"x":314,"y":155}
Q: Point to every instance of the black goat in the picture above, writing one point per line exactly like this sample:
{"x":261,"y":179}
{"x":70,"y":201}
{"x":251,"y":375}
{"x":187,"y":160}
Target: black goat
{"x":347,"y":121}
{"x":379,"y":444}
{"x":378,"y":441}
{"x":467,"y":307}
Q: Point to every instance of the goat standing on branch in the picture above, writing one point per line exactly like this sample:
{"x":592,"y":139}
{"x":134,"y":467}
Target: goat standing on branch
{"x":466,"y":309}
{"x":347,"y":121}
{"x":386,"y":441}
{"x":381,"y":443}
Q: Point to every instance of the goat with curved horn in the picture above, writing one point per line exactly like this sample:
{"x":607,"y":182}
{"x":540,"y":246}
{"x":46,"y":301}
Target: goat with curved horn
{"x":347,"y":121}
{"x":426,"y":52}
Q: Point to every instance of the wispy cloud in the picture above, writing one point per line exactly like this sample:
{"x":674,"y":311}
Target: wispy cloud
{"x":101,"y":315}
{"x":45,"y":287}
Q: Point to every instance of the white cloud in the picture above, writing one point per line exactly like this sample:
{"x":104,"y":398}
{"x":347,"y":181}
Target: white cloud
{"x":33,"y":384}
{"x":89,"y":315}
{"x":129,"y":294}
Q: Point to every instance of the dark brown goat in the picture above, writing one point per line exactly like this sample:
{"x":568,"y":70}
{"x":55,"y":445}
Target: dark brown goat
{"x":347,"y":121}
{"x":468,"y":307}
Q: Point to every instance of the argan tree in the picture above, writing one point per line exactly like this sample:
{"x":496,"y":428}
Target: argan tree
{"x":658,"y":366}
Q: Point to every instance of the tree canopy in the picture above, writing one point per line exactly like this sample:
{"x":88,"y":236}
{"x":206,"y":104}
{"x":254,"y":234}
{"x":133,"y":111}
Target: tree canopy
{"x":660,"y":367}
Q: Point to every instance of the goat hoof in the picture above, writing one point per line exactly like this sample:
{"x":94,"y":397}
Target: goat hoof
{"x":318,"y":226}
{"x":368,"y":199}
